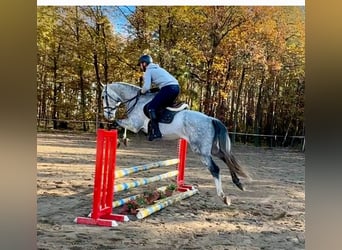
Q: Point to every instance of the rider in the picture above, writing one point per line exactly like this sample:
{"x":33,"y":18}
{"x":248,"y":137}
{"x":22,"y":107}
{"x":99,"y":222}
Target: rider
{"x":169,"y":90}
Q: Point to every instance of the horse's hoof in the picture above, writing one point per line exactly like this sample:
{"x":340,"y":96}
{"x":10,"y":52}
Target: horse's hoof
{"x":125,"y":142}
{"x":227,"y":200}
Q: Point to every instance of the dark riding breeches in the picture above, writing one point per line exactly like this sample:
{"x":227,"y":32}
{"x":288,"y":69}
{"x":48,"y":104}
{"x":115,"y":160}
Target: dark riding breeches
{"x":165,"y":97}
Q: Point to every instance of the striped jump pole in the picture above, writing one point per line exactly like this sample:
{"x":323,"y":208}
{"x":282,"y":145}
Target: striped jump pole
{"x":123,"y":201}
{"x":144,"y":212}
{"x":143,"y":181}
{"x":135,"y":169}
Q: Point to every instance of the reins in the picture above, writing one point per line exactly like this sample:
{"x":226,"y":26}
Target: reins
{"x":119,"y":102}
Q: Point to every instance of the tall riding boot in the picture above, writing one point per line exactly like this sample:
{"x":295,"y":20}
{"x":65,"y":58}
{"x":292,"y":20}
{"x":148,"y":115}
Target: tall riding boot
{"x":154,"y":131}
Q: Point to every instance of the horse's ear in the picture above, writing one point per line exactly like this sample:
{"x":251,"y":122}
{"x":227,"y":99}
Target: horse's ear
{"x":102,"y":85}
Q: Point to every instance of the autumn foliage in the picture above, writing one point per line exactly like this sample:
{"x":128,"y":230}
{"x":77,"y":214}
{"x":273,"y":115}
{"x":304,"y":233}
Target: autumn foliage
{"x":243,"y":65}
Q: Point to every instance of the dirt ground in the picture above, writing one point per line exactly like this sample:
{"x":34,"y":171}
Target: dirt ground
{"x":270,"y":214}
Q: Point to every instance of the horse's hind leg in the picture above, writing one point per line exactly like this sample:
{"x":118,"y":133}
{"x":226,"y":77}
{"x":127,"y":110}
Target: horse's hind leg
{"x":215,"y":172}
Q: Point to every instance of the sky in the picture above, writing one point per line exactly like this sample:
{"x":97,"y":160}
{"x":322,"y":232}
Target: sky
{"x":120,"y":21}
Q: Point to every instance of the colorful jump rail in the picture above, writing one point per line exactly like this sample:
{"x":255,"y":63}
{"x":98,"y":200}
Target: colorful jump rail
{"x":144,"y":212}
{"x":135,"y":169}
{"x":105,"y":176}
{"x":123,"y":201}
{"x":143,"y":181}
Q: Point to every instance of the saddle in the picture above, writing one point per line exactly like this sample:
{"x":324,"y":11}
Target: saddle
{"x":166,"y":115}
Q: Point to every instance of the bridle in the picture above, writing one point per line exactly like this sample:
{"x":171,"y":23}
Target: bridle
{"x":118,"y":102}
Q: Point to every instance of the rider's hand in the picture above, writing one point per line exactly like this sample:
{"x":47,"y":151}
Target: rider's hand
{"x":139,"y":93}
{"x":154,"y":90}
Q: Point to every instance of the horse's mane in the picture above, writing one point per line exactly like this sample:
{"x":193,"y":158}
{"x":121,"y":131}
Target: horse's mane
{"x":133,"y":87}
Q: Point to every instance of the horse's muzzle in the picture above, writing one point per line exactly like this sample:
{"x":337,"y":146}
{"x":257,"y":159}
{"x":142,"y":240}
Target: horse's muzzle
{"x":109,"y":114}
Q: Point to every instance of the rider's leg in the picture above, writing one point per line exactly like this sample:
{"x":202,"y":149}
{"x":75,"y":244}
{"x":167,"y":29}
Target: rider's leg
{"x":154,"y":131}
{"x":153,"y":108}
{"x":169,"y":94}
{"x":164,"y":97}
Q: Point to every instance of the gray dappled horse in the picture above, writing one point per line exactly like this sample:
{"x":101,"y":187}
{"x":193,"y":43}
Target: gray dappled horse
{"x":206,"y":135}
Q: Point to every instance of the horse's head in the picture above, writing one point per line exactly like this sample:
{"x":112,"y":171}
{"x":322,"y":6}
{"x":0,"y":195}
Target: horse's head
{"x":111,"y":101}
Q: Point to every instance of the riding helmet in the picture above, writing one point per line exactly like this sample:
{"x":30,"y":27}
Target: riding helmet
{"x":145,"y":58}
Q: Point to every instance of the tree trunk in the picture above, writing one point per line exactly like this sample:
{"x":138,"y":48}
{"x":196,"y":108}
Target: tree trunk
{"x":237,"y":106}
{"x":208,"y":86}
{"x":80,"y":72}
{"x":201,"y":100}
{"x":106,"y":56}
{"x":42,"y":110}
{"x":272,"y":112}
{"x":83,"y":103}
{"x":55,"y":93}
{"x":231,"y":115}
{"x":98,"y":90}
{"x":287,"y":132}
{"x":258,"y":113}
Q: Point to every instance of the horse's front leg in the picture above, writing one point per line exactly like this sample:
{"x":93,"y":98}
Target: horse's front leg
{"x":124,"y":137}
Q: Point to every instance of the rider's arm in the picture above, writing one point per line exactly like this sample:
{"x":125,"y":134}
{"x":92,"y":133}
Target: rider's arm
{"x":147,"y":82}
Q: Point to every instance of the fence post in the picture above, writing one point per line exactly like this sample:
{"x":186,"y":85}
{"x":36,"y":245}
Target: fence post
{"x":104,"y":182}
{"x":182,"y":149}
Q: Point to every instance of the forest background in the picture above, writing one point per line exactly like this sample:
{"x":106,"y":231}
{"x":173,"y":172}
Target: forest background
{"x":243,"y":65}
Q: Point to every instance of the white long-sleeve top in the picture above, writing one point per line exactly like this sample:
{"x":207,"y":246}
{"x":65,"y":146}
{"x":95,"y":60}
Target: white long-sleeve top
{"x":158,"y":76}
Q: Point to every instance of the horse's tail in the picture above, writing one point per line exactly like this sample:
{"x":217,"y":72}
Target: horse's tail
{"x":221,"y":148}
